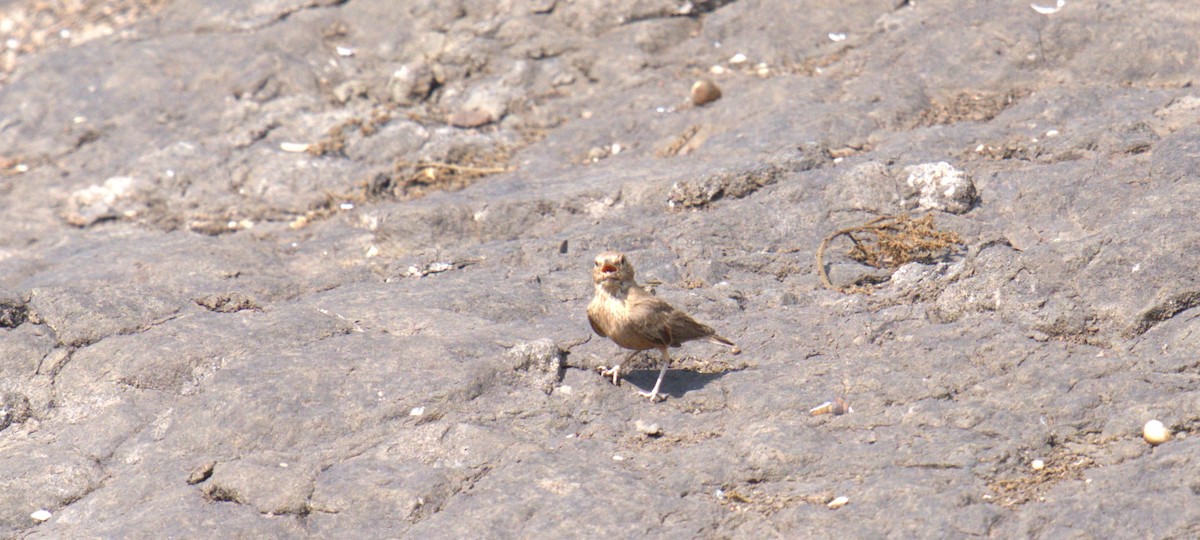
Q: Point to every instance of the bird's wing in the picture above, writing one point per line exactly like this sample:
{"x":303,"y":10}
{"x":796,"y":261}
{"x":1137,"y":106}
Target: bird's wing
{"x":654,"y":319}
{"x":662,"y":323}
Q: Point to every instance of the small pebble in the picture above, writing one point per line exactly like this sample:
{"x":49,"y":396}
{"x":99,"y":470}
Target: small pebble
{"x":704,"y":91}
{"x":416,"y":411}
{"x":1156,"y":433}
{"x":293,"y":147}
{"x":618,"y":458}
{"x":839,"y":502}
{"x":1037,"y":464}
{"x":469,"y":119}
{"x":738,"y":58}
{"x":648,"y":429}
{"x":40,"y":515}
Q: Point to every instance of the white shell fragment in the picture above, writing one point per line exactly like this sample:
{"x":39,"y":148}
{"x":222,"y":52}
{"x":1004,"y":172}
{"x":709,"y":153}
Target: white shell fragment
{"x":1156,"y":433}
{"x":738,"y":58}
{"x":1046,"y":10}
{"x":293,"y":147}
{"x":1037,"y":464}
{"x":416,"y":411}
{"x":838,"y":502}
{"x":40,"y":515}
{"x":837,"y":36}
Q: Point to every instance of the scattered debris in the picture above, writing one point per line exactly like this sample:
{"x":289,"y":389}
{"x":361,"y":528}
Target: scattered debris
{"x":897,"y":240}
{"x":648,"y":429}
{"x":682,"y":144}
{"x":433,"y":268}
{"x":413,"y":179}
{"x":228,"y":302}
{"x":99,"y":202}
{"x":838,"y":502}
{"x":837,"y":407}
{"x":201,"y":473}
{"x":1021,"y":486}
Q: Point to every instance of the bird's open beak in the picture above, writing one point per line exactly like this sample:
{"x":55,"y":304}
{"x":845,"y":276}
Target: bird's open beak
{"x":608,"y":269}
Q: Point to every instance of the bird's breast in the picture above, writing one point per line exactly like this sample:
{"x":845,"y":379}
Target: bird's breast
{"x":613,"y":316}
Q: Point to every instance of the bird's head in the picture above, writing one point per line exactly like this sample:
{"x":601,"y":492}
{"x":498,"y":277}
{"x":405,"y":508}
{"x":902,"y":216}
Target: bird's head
{"x":612,"y":269}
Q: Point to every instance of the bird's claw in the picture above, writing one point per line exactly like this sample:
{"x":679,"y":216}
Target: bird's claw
{"x":655,"y":397}
{"x":613,"y":372}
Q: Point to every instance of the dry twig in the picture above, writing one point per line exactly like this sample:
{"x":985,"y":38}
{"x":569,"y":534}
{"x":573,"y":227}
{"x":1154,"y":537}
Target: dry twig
{"x":897,"y":240}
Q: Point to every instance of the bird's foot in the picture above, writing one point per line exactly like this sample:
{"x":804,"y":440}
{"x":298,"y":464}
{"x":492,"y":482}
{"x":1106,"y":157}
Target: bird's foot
{"x":614,"y":372}
{"x":654,"y":396}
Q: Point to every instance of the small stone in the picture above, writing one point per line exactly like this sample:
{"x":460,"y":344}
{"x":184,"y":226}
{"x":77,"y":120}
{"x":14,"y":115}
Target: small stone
{"x":648,"y":429}
{"x":296,"y":148}
{"x":349,"y":90}
{"x":412,"y":83}
{"x":939,"y":186}
{"x":705,"y":91}
{"x":98,"y":202}
{"x":40,"y":515}
{"x":838,"y":502}
{"x":1155,"y":433}
{"x":201,"y":473}
{"x":469,"y":119}
{"x":1037,"y":464}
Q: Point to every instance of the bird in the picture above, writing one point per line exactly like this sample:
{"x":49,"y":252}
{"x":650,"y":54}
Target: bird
{"x":636,"y":320}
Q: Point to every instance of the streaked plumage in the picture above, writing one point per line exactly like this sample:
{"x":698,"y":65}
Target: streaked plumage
{"x":637,"y":320}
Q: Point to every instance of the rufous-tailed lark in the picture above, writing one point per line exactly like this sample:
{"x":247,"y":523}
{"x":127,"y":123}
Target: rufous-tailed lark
{"x":637,"y":320}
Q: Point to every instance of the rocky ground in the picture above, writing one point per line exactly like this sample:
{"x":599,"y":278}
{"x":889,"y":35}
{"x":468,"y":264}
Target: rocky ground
{"x":318,"y":268}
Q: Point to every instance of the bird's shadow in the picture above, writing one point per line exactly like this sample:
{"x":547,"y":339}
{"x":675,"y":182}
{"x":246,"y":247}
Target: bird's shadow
{"x":676,"y":383}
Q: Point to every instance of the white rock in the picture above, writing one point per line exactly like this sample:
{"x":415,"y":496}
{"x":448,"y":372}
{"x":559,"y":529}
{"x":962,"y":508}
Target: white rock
{"x":1156,"y":433}
{"x":40,"y":515}
{"x":939,"y":186}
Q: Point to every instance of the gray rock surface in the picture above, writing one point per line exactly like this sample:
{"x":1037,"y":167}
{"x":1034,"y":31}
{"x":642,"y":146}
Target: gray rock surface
{"x":319,"y":269}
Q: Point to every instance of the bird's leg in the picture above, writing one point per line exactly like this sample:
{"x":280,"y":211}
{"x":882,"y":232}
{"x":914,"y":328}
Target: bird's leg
{"x":615,"y":371}
{"x":666,"y":361}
